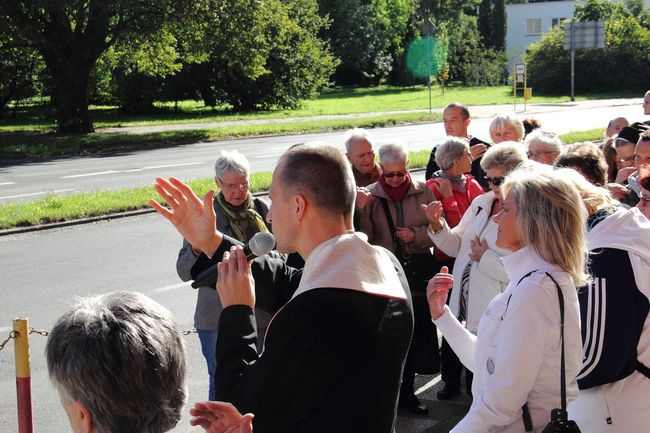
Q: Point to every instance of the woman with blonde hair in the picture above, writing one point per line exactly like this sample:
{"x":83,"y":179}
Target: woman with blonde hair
{"x":516,"y":355}
{"x":506,"y":128}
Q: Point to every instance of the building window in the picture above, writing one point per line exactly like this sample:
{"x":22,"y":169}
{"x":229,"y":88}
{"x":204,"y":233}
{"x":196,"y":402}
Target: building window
{"x":556,"y":21}
{"x":533,"y":26}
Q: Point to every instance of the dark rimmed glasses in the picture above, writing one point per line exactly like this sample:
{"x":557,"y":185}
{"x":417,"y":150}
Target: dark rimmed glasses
{"x":392,"y":174}
{"x":496,"y":181}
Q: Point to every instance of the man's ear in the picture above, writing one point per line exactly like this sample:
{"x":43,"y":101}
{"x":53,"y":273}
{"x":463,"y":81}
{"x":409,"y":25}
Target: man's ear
{"x":300,"y":206}
{"x":80,"y":418}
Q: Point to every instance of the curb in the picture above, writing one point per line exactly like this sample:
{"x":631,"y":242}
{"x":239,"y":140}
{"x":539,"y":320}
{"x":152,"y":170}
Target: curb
{"x":111,"y":216}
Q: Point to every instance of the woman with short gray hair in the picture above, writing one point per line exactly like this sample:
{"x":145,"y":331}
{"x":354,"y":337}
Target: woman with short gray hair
{"x":389,"y":213}
{"x":451,"y":186}
{"x":543,"y":146}
{"x":239,"y":215}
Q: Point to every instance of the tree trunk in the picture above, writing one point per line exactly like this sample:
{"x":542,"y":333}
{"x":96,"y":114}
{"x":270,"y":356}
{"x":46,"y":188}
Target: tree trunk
{"x":72,"y":88}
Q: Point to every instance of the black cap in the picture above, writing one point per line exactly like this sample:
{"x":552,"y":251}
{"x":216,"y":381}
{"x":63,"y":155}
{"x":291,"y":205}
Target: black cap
{"x":630,"y":134}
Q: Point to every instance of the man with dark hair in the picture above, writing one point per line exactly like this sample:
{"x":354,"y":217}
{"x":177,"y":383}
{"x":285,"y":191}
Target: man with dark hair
{"x":118,"y":363}
{"x":334,"y":351}
{"x":456,"y":120}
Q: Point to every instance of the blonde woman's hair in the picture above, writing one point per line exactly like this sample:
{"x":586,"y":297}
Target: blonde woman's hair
{"x":593,"y":197}
{"x":503,"y":121}
{"x":551,"y":218}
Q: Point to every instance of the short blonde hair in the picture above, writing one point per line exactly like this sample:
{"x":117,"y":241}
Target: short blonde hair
{"x":507,"y":155}
{"x":551,"y":218}
{"x":503,"y":121}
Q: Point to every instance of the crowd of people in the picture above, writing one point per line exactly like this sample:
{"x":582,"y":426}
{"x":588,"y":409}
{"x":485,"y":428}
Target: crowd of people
{"x":530,"y":257}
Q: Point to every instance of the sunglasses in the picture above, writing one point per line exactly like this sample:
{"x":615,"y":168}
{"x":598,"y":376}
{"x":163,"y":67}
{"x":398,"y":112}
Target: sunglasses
{"x":392,"y":174}
{"x":496,"y":181}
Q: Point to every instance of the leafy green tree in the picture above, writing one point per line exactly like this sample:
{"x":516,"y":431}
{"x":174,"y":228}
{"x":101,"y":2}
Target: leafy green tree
{"x":492,"y":24}
{"x":71,"y":35}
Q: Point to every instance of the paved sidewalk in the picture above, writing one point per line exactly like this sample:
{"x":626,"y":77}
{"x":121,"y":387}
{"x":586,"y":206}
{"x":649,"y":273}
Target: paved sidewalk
{"x":477,"y":111}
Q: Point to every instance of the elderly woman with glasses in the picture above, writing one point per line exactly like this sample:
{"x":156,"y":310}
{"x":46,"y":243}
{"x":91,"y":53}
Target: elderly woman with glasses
{"x":239,"y":215}
{"x":451,"y":186}
{"x":478,"y":273}
{"x":543,"y":146}
{"x":389,"y":213}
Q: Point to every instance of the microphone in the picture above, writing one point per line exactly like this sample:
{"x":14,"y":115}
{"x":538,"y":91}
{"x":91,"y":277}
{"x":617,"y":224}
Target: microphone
{"x":260,"y":244}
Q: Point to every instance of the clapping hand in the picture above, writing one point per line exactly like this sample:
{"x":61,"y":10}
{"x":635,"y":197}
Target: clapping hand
{"x":444,"y":186}
{"x":478,"y":247}
{"x":437,"y":290}
{"x":477,"y":150}
{"x":220,"y":417}
{"x":363,"y":197}
{"x":235,"y":283}
{"x":194,"y":220}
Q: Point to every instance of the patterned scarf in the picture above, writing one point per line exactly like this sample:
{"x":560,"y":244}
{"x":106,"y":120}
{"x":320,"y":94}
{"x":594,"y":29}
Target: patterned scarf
{"x":456,"y":181}
{"x":243,"y":220}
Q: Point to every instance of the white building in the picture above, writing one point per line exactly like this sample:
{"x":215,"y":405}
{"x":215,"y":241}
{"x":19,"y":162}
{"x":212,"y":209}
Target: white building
{"x":527,"y":22}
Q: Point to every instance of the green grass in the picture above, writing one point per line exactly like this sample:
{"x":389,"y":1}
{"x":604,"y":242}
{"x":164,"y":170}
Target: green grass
{"x":63,"y":208}
{"x":44,"y":145}
{"x":329,"y":102}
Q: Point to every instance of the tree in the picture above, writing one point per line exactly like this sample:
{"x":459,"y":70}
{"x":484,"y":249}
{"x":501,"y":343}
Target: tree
{"x":492,"y":24}
{"x":71,"y":35}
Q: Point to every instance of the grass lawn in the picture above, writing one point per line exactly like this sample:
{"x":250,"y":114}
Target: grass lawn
{"x":62,"y":208}
{"x":329,"y":102}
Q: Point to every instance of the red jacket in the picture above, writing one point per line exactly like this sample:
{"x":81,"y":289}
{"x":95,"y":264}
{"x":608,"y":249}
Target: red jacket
{"x":456,"y":205}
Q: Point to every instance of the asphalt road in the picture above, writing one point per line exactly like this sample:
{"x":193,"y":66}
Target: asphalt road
{"x":43,"y":273}
{"x":30,"y":180}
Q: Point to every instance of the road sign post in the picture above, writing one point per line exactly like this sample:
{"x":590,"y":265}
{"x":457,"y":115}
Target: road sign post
{"x":582,"y":36}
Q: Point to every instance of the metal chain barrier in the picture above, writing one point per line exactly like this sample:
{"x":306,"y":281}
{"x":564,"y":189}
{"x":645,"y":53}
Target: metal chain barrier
{"x":12,"y":334}
{"x":39,"y":332}
{"x":189,"y":331}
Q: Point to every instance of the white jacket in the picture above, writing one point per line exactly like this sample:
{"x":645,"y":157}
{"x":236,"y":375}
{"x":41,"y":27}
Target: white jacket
{"x":487,"y":277}
{"x":622,"y":406}
{"x":516,"y":355}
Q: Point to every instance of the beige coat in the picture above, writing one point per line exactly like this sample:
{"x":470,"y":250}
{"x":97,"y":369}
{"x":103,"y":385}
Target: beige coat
{"x":372,"y":219}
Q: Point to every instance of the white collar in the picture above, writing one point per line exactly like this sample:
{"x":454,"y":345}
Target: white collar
{"x":347,"y":261}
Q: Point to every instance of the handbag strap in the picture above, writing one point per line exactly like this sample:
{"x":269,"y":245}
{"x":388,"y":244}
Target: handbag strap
{"x":528,"y":423}
{"x":391,"y":227}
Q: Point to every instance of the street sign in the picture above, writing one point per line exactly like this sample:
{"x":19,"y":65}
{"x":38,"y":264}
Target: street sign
{"x":585,"y":35}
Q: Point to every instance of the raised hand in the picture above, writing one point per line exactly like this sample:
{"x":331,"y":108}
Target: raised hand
{"x":194,"y":219}
{"x":477,"y":150}
{"x":363,"y":197}
{"x":437,"y":290}
{"x":220,"y":417}
{"x":478,"y":247}
{"x":433,"y":211}
{"x":235,"y":282}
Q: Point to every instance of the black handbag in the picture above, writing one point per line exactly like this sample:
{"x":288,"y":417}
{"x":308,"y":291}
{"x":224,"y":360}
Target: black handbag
{"x":559,"y":417}
{"x":418,"y":268}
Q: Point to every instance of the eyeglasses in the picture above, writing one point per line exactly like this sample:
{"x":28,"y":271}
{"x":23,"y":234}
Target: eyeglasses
{"x":626,"y":159}
{"x":532,"y":155}
{"x":392,"y":174}
{"x":496,"y":181}
{"x":233,"y":186}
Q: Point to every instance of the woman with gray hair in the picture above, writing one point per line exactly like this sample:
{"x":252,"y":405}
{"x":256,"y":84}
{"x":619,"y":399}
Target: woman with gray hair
{"x":239,"y":215}
{"x":451,"y":186}
{"x":478,"y":272}
{"x":506,"y":128}
{"x":543,"y":146}
{"x":389,"y":213}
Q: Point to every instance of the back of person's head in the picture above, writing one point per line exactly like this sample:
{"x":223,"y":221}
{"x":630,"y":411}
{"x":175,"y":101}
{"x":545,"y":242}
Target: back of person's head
{"x":231,"y":161}
{"x":464,"y":112}
{"x":588,"y":159}
{"x":450,"y":150}
{"x":121,"y":356}
{"x":610,"y":158}
{"x":507,"y":155}
{"x":530,"y":124}
{"x":357,"y":134}
{"x":322,"y":173}
{"x":551,"y":218}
